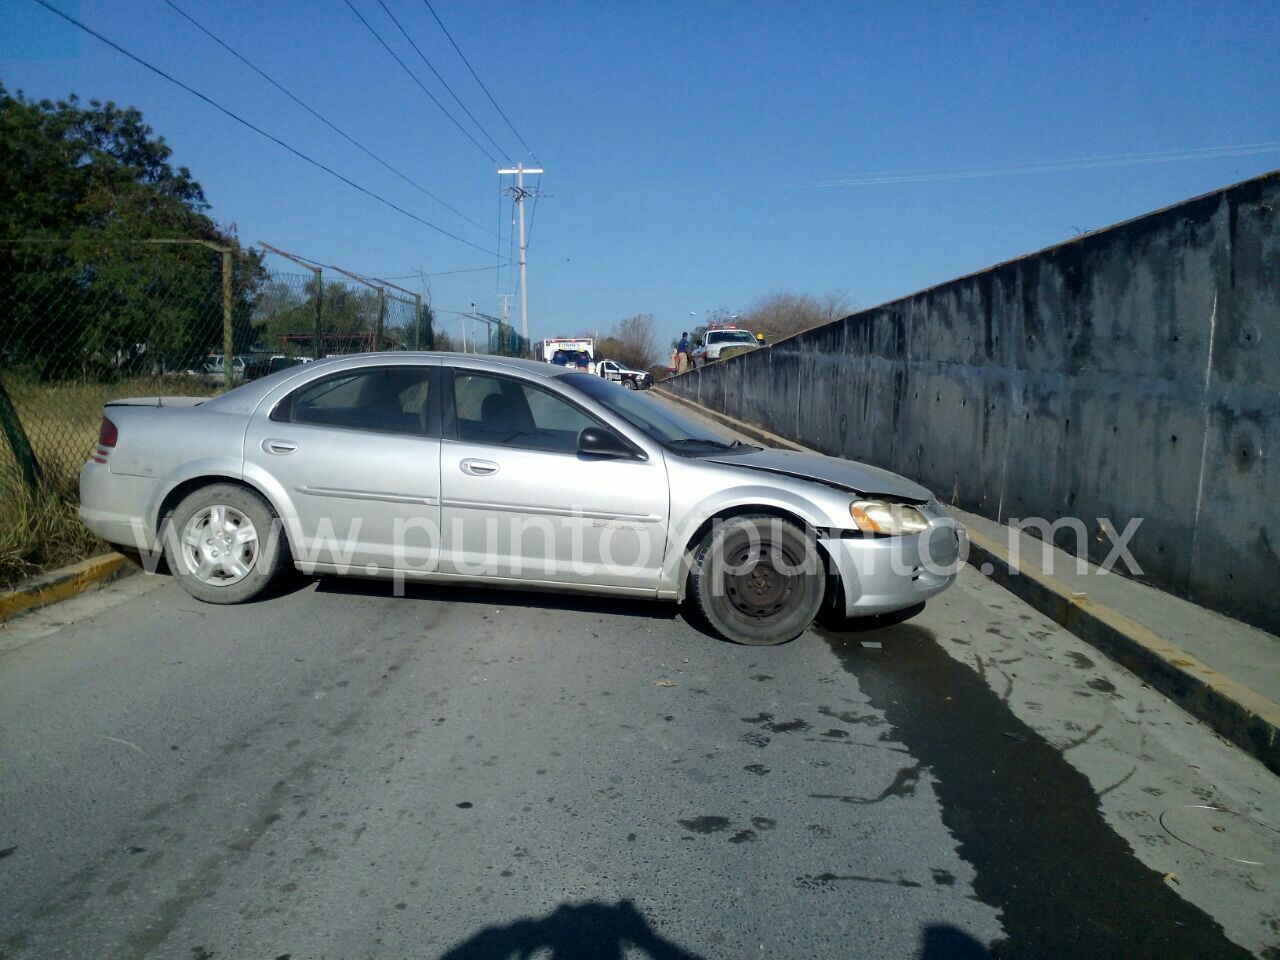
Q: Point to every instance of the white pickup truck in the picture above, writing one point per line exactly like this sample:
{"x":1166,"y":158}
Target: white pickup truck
{"x":620,"y":373}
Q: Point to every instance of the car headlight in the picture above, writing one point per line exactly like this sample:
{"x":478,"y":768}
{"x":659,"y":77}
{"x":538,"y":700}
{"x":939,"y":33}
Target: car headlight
{"x":888,"y":519}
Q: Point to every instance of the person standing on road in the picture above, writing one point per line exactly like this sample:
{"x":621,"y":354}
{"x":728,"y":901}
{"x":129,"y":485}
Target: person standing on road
{"x":683,"y":350}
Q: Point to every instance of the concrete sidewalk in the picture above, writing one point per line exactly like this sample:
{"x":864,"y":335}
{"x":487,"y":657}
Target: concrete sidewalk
{"x":1220,"y":670}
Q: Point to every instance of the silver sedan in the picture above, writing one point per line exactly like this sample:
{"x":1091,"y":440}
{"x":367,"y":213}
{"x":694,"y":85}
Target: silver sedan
{"x":458,"y":468}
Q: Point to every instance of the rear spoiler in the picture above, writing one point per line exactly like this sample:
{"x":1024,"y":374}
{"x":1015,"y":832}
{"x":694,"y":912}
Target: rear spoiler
{"x":157,"y":402}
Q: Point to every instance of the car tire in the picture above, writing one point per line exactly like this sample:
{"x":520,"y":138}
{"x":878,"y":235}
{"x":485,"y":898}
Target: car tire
{"x":629,"y":384}
{"x":223,"y":544}
{"x":757,"y":605}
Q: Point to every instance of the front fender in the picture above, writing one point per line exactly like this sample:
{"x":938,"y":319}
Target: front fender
{"x":686,"y":523}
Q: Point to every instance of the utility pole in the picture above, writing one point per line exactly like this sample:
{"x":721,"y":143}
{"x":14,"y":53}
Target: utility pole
{"x":519,"y":192}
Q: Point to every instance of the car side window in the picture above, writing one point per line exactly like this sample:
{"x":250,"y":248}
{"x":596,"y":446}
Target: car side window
{"x":384,"y":400}
{"x":508,"y":412}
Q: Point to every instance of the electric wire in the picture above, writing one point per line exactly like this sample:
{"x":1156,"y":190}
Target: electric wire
{"x":458,"y":50}
{"x":315,"y":113}
{"x":404,"y":66}
{"x":443,"y":82}
{"x":256,"y":129}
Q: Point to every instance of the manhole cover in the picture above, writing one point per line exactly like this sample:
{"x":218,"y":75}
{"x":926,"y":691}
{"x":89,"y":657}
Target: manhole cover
{"x":1224,"y":834}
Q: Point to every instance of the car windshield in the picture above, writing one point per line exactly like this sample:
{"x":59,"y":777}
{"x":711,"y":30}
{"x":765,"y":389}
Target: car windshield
{"x":669,"y":427}
{"x":731,"y":336}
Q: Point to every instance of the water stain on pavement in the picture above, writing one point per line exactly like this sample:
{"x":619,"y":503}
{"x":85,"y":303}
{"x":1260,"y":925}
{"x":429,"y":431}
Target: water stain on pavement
{"x":1081,"y":662}
{"x":705,"y":824}
{"x":1027,"y":821}
{"x":827,"y":881}
{"x":903,"y":785}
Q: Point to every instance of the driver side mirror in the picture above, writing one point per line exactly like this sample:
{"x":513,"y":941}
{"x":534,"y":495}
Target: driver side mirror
{"x":598,"y":442}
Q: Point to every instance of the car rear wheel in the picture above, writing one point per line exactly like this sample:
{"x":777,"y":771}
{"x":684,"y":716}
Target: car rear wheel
{"x":224,"y":545}
{"x":757,"y":580}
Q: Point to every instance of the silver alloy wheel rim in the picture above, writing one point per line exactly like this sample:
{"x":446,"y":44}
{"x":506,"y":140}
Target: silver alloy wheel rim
{"x":220,"y":545}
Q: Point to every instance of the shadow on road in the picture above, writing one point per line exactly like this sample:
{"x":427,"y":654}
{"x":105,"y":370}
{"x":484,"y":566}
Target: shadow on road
{"x":492,"y":596}
{"x":601,"y":931}
{"x":945,"y":942}
{"x":833,"y":621}
{"x":587,"y":931}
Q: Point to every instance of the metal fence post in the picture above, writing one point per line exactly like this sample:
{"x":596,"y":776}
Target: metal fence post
{"x":417,"y":321}
{"x":19,"y":443}
{"x":382,"y":313}
{"x":228,"y":343}
{"x":318,"y":303}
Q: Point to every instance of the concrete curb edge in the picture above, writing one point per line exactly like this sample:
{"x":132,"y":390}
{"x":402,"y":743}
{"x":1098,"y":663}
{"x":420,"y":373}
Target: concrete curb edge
{"x":62,"y":584}
{"x":1239,"y":714}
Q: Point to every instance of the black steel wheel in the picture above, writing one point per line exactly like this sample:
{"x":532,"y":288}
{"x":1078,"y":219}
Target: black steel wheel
{"x":757,"y":580}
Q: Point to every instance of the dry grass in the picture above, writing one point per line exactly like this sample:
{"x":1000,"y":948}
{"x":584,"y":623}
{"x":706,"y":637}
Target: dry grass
{"x":41,"y":529}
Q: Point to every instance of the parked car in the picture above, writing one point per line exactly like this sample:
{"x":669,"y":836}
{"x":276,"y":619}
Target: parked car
{"x":629,"y":377}
{"x":434,"y":466}
{"x":213,"y":370}
{"x":264,"y":367}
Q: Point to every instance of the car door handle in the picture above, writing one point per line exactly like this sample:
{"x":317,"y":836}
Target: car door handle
{"x":479,"y":468}
{"x":279,"y":447}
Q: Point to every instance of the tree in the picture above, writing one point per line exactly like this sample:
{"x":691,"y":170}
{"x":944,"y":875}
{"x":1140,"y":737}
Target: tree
{"x":632,"y":341}
{"x":81,"y":191}
{"x":639,"y":335}
{"x":783,"y":313}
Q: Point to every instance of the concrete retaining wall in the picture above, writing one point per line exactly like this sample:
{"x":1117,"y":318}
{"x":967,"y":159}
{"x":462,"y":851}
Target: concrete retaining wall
{"x":1133,"y":372}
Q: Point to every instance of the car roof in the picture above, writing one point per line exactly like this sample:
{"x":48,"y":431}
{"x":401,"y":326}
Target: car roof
{"x":246,"y":396}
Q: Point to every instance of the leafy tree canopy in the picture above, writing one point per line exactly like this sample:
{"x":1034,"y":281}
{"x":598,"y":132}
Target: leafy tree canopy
{"x":81,"y":190}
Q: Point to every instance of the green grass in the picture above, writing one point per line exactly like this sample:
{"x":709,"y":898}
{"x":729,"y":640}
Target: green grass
{"x":40,"y":529}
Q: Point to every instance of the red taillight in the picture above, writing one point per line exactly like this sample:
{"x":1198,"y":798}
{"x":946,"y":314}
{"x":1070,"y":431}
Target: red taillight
{"x":107,"y":437}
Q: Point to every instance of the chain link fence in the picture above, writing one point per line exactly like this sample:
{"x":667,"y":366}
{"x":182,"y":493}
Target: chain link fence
{"x":77,"y":331}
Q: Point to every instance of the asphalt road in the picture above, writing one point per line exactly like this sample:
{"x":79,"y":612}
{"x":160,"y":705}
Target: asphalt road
{"x":340,"y":773}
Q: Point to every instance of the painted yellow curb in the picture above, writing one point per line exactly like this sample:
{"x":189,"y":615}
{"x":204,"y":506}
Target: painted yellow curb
{"x":1241,"y":714}
{"x":60,"y":584}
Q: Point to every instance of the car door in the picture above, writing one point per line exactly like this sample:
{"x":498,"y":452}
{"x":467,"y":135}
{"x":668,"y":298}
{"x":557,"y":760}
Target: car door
{"x":520,"y":502}
{"x":357,"y":453}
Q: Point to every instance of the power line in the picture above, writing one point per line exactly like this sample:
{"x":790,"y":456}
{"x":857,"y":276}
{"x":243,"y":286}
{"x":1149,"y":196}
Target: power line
{"x":405,"y":177}
{"x":442,"y":80}
{"x":511,"y":249}
{"x":510,"y":125}
{"x":256,"y":129}
{"x":447,"y":273}
{"x":497,"y":250}
{"x":1043,"y":166}
{"x":404,"y":66}
{"x":533,"y":211}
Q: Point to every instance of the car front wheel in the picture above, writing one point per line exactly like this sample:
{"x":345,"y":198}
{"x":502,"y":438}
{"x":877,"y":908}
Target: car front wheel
{"x":224,"y":545}
{"x":757,"y":580}
{"x":629,"y":384}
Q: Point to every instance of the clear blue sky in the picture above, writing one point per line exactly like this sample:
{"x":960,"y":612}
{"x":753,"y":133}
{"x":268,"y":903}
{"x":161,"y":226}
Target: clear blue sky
{"x":689,"y":145}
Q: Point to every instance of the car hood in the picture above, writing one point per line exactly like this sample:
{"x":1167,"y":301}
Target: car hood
{"x":833,"y":471}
